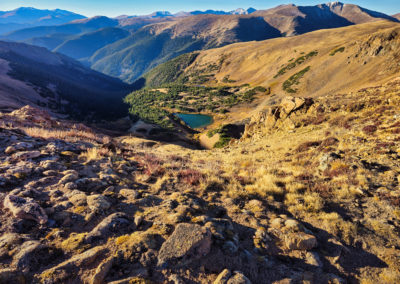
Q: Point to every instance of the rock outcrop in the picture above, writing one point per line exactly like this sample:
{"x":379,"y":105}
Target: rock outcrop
{"x":187,"y":243}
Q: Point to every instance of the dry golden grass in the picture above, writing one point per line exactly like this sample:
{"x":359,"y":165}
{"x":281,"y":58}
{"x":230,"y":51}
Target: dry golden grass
{"x":72,"y":135}
{"x":257,"y":63}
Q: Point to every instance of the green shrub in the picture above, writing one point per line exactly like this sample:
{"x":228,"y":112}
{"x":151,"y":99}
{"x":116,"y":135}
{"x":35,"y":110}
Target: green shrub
{"x":340,"y":49}
{"x":294,"y":80}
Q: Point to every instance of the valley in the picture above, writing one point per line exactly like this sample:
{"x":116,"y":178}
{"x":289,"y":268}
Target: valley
{"x":240,"y":146}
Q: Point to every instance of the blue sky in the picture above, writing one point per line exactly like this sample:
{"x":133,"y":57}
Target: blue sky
{"x":139,"y":7}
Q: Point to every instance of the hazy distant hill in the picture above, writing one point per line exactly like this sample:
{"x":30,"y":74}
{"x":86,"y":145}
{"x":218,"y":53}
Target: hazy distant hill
{"x":54,"y":81}
{"x":86,"y":45}
{"x":73,"y":28}
{"x":29,"y":17}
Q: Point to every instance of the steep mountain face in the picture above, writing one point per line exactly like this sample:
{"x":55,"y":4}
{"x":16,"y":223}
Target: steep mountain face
{"x":154,"y":44}
{"x":33,"y":75}
{"x":87,"y":44}
{"x":293,"y":20}
{"x":29,"y":17}
{"x":397,"y":16}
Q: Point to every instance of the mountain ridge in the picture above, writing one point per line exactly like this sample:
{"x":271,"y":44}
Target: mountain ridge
{"x":211,"y":31}
{"x":25,"y":17}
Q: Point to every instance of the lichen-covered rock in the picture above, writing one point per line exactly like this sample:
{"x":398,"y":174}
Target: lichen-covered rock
{"x":8,"y":242}
{"x":71,"y":268}
{"x":187,"y":242}
{"x":70,"y":177}
{"x":98,"y":202}
{"x":115,"y":224}
{"x":30,"y":255}
{"x":226,"y":277}
{"x":238,"y":278}
{"x":26,"y":155}
{"x":25,"y":208}
{"x":102,"y":271}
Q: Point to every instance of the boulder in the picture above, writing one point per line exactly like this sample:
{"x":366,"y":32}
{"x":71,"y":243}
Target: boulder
{"x":69,"y":269}
{"x":30,"y":256}
{"x":102,"y":271}
{"x":9,"y":242}
{"x":238,"y":278}
{"x":188,"y":242}
{"x":26,"y":155}
{"x":25,"y":208}
{"x":71,"y":177}
{"x":115,"y":224}
{"x":98,"y":202}
{"x":300,"y":241}
{"x":290,"y":104}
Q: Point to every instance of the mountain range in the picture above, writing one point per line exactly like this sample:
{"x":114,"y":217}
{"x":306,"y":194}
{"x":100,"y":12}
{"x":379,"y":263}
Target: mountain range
{"x":129,"y":47}
{"x":130,"y":57}
{"x":28,"y":17}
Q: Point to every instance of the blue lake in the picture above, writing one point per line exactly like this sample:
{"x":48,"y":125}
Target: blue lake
{"x":195,"y":120}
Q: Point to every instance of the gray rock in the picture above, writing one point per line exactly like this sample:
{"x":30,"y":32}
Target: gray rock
{"x":69,"y":269}
{"x":115,"y":224}
{"x":238,"y":278}
{"x":26,"y":155}
{"x":71,"y":177}
{"x":9,"y":242}
{"x":97,"y":203}
{"x":300,"y":241}
{"x":30,"y":255}
{"x":25,"y":208}
{"x":102,"y":271}
{"x":188,"y":242}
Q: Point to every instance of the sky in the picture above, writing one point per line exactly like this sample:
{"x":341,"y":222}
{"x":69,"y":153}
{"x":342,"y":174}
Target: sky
{"x":113,"y":8}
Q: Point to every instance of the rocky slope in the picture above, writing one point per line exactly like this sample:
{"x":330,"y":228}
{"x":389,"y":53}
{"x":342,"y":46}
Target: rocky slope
{"x":309,"y":194}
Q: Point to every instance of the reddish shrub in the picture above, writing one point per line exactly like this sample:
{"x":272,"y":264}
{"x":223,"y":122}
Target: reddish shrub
{"x":330,"y":141}
{"x":396,"y":131}
{"x":152,"y":165}
{"x":306,"y":145}
{"x":314,"y":120}
{"x":370,"y":129}
{"x":190,"y":176}
{"x":342,"y":121}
